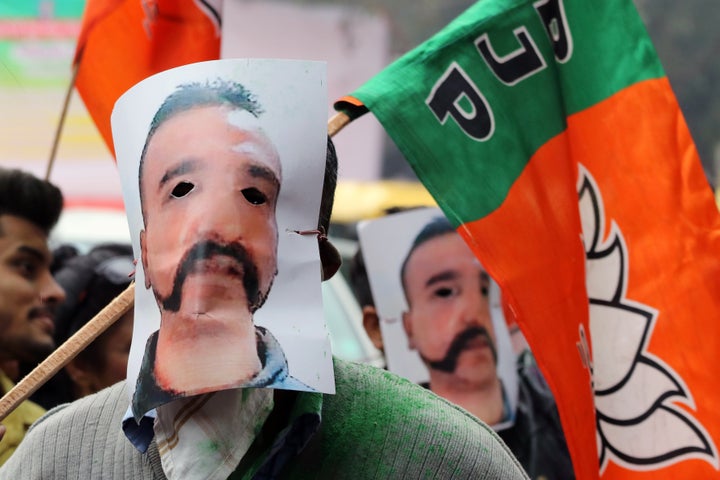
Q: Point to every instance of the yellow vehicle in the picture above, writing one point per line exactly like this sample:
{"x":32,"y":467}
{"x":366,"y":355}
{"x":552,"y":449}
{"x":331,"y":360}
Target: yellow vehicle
{"x":356,"y":201}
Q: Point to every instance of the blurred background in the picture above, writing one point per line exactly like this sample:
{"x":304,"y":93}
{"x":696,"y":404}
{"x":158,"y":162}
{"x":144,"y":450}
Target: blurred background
{"x":357,"y":38}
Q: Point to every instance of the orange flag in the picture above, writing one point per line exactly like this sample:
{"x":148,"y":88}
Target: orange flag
{"x":124,"y":41}
{"x":549,"y":135}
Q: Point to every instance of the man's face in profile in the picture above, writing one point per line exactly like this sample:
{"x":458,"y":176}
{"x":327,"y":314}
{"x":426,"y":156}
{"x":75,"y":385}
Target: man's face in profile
{"x":28,"y":292}
{"x":210,"y":186}
{"x":448,"y":320}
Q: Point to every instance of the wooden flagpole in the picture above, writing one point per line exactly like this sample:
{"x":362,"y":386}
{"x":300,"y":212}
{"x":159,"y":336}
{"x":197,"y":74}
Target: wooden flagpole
{"x":337,"y":123}
{"x":101,"y":322}
{"x":61,"y":121}
{"x":67,"y":351}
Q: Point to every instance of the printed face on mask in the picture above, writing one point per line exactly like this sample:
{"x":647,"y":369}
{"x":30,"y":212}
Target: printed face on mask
{"x":209,"y":183}
{"x":210,"y":189}
{"x":448,"y":320}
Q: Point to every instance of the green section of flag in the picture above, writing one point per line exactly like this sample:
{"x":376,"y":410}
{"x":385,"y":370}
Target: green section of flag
{"x":608,"y":50}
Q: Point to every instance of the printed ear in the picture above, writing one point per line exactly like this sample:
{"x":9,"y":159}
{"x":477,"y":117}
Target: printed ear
{"x":371,"y":322}
{"x":143,"y":258}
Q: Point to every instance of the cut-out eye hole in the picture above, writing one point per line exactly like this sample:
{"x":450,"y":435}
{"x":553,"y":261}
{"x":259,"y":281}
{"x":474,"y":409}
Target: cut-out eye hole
{"x":444,"y":292}
{"x":254,"y":196}
{"x":484,"y":284}
{"x":182,"y":189}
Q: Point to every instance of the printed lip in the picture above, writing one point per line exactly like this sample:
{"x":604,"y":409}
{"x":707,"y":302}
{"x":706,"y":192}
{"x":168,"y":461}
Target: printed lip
{"x":210,"y":284}
{"x":217,"y":265}
{"x":477,"y":343}
{"x":212,"y":263}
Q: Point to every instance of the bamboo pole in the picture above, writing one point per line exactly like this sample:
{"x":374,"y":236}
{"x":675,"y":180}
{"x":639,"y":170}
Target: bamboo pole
{"x":337,"y":123}
{"x":67,"y":351}
{"x":61,"y":122}
{"x":101,"y":322}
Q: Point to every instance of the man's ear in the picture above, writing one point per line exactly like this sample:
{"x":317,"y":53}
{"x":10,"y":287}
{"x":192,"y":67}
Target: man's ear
{"x":371,"y":322}
{"x":143,"y":258}
{"x":329,"y":258}
{"x":407,"y":324}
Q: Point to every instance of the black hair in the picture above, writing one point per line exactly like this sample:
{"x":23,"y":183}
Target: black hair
{"x":434,"y":228}
{"x":28,"y":197}
{"x":90,"y":282}
{"x":329,"y":184}
{"x":359,"y":280}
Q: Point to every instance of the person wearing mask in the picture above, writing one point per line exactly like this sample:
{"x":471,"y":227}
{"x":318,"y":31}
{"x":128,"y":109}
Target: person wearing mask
{"x":376,"y":425}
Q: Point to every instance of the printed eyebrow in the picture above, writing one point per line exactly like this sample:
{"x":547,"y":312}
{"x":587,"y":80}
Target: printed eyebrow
{"x":441,"y":277}
{"x":265,"y":173}
{"x":182,"y":168}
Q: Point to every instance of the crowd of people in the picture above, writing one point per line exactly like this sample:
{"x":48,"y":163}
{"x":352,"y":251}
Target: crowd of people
{"x":188,"y":419}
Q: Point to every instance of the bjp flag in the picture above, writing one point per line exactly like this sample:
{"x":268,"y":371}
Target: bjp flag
{"x":549,"y":135}
{"x":124,"y":41}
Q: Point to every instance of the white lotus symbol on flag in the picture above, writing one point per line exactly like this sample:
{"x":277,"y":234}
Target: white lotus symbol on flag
{"x":641,"y":424}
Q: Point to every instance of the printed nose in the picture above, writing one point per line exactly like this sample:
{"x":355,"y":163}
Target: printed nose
{"x":219,"y":216}
{"x":475,"y":308}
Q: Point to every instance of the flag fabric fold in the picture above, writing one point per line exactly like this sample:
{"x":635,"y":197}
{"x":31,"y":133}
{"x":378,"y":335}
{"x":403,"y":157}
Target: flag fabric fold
{"x":549,"y":135}
{"x":124,"y":41}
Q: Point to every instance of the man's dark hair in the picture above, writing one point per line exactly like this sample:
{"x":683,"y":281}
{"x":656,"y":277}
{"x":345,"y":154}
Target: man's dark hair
{"x":329,"y":183}
{"x":359,"y":280}
{"x":436,"y":227}
{"x":30,"y":198}
{"x":218,"y":92}
{"x":90,"y":281}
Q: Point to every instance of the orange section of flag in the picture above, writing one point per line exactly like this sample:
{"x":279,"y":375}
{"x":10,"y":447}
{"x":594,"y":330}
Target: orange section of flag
{"x":95,"y":11}
{"x":531,"y":246}
{"x":653,"y":386}
{"x":654,"y":189}
{"x":124,"y":41}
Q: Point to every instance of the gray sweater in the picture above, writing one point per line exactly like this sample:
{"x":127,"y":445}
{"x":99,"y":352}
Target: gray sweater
{"x":378,"y":425}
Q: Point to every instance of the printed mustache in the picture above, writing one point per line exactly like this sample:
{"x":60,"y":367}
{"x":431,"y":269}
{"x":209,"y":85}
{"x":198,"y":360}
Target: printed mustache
{"x":206,"y":250}
{"x":449,"y":362}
